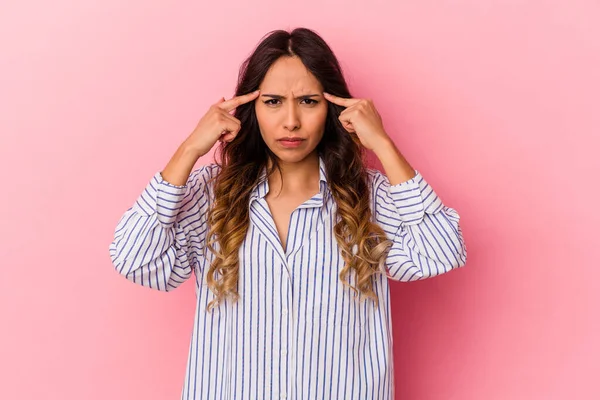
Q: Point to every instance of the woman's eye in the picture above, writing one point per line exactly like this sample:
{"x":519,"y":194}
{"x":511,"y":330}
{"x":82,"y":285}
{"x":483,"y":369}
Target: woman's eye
{"x":271,"y":102}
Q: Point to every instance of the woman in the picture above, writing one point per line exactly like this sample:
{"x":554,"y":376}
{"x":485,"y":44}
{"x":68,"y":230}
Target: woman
{"x":290,"y":237}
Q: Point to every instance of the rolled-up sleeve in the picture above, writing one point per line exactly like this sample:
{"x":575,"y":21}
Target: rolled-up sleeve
{"x":426,"y":235}
{"x":157,"y":241}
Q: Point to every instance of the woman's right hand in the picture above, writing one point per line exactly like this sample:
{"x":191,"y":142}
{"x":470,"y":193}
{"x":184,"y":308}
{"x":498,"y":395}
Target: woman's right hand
{"x":217,"y":124}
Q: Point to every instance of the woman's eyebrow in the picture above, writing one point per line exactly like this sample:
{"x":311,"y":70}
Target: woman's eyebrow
{"x":277,"y":96}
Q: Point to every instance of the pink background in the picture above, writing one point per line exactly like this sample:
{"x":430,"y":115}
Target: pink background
{"x":495,"y":102}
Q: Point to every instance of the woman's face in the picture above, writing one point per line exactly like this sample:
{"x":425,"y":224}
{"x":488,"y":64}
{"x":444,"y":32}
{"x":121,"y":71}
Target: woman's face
{"x":291,"y":105}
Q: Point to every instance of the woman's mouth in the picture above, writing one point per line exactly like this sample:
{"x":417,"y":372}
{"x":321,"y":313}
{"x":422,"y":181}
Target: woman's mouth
{"x":291,"y":142}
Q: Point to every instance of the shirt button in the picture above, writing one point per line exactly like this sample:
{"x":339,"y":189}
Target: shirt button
{"x":284,"y":352}
{"x":283,"y":395}
{"x":284,"y":311}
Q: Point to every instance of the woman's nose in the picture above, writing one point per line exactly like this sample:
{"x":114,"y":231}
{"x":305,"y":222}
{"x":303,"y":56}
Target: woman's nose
{"x":292,"y":117}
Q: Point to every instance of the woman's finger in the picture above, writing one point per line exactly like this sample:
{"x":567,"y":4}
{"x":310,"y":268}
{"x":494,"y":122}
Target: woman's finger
{"x":229,"y":124}
{"x":340,"y":101}
{"x":231,"y":104}
{"x":227,"y":137}
{"x":230,"y":117}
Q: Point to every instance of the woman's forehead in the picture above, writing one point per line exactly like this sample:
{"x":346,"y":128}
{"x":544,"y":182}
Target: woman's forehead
{"x":287,"y":76}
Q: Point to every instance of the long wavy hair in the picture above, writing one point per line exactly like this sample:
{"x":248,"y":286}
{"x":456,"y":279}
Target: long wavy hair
{"x":363,"y":244}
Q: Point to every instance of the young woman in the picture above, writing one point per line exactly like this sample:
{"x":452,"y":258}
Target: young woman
{"x":291,"y":238}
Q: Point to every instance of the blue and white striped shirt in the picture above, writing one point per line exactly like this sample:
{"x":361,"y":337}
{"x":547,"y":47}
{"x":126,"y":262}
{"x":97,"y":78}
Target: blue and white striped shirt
{"x":295,"y":332}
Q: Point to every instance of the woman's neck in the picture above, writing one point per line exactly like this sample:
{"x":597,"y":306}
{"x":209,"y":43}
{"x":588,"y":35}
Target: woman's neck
{"x":298,"y":177}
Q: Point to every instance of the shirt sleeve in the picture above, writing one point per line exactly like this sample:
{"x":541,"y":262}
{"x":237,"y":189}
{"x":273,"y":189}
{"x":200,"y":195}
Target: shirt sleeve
{"x":157,"y":241}
{"x":426,"y":235}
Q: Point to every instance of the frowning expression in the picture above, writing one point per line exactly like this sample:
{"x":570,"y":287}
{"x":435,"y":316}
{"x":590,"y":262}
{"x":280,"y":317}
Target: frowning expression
{"x":291,"y":106}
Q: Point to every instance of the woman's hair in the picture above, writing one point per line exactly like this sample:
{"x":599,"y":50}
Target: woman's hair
{"x":363,"y":243}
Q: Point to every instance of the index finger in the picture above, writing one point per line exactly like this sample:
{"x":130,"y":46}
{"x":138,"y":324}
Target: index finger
{"x":340,"y":101}
{"x":229,"y":105}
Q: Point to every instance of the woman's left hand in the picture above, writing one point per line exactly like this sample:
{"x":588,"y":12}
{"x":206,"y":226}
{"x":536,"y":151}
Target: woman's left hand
{"x":361,"y":116}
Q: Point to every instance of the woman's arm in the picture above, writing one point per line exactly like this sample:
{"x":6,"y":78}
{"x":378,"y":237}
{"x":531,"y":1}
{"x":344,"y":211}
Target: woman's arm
{"x":427,"y":238}
{"x":158,"y":239}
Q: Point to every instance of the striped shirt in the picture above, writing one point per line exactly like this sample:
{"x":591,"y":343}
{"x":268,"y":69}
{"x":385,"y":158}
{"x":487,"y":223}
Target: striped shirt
{"x":296,"y":331}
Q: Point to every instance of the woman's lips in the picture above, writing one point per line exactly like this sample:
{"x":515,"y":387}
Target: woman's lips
{"x":291,"y":142}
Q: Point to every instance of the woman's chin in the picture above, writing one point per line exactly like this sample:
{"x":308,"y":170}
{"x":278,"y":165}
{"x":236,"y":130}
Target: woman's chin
{"x":291,"y":155}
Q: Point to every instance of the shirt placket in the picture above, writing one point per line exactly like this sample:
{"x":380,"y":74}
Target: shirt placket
{"x":288,"y":316}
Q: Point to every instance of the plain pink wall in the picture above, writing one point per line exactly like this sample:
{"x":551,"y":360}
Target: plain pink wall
{"x":496,"y":102}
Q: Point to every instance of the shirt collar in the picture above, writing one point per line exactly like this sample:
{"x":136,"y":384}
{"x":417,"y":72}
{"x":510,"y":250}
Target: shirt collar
{"x":261,"y":189}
